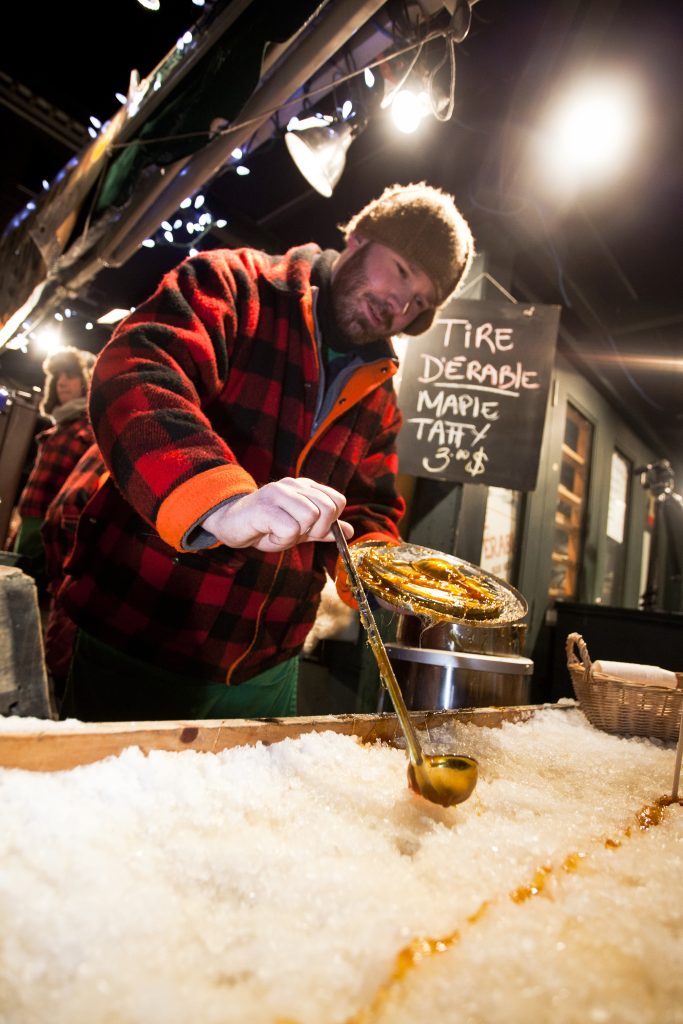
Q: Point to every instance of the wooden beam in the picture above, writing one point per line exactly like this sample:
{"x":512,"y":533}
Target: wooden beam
{"x":67,"y":744}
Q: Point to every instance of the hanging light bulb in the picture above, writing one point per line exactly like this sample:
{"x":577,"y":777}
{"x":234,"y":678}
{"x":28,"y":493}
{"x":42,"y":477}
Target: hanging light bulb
{"x":407,"y":110}
{"x":47,"y":340}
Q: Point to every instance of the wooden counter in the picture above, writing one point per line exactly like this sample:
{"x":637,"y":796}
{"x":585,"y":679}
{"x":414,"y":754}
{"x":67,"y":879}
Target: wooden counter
{"x":63,"y":745}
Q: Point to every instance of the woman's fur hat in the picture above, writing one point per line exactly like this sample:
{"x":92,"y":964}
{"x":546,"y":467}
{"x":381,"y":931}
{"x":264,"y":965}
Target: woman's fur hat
{"x":73,"y":361}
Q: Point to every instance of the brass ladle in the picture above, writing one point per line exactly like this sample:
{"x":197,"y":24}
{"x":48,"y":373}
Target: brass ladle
{"x":444,"y":779}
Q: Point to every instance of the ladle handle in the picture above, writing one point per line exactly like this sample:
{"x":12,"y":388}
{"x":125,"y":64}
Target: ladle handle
{"x":378,"y":649}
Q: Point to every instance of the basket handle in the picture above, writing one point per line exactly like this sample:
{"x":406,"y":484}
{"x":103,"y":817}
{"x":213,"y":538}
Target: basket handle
{"x":575,"y":639}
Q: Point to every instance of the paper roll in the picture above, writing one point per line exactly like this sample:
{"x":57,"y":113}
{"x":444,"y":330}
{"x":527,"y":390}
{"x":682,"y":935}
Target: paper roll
{"x":647,"y":675}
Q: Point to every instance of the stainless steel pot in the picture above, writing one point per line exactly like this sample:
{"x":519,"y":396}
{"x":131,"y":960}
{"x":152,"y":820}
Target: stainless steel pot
{"x":446,"y":656}
{"x":434,"y":680}
{"x":444,"y":665}
{"x":508,"y":639}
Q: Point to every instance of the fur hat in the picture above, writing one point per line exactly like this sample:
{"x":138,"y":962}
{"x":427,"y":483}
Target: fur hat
{"x":423,"y":225}
{"x":73,"y":361}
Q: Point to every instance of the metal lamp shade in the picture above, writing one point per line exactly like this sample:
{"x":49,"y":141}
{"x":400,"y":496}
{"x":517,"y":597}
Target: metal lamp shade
{"x":320,"y":153}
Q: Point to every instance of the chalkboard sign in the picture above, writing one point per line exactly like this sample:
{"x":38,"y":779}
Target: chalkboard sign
{"x":473,"y":394}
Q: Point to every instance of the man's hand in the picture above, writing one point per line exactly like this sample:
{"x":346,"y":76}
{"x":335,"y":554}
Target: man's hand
{"x":279,"y":515}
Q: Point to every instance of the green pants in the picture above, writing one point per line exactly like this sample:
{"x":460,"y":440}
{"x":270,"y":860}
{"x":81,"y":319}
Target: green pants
{"x":106,"y":686}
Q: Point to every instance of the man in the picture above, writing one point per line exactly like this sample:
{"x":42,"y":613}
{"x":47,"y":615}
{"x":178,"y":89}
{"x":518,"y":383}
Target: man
{"x":60,"y":446}
{"x":241,"y":410}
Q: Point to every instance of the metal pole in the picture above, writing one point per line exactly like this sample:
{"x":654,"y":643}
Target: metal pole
{"x":336,"y":23}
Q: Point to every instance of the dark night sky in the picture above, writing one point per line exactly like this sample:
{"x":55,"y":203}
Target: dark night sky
{"x":610,"y":256}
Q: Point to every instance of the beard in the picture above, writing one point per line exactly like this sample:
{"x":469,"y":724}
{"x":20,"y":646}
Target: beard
{"x":350,"y":297}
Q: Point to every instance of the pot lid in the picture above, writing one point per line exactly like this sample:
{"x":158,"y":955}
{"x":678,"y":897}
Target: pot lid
{"x":441,"y":587}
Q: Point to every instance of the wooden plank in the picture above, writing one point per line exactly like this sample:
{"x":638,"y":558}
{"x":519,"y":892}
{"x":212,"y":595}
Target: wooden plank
{"x":62,"y":746}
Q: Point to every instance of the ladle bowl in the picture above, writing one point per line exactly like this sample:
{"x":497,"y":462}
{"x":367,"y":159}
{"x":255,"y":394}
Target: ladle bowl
{"x":444,"y":779}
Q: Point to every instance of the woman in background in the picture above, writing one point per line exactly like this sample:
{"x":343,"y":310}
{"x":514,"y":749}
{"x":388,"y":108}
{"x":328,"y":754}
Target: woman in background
{"x":60,"y":446}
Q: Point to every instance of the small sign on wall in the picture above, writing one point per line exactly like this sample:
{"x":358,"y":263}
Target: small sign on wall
{"x":500,"y":532}
{"x":473,"y":394}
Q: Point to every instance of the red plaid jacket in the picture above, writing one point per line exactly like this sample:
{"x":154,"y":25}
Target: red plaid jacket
{"x":59,"y":449}
{"x":58,"y":533}
{"x":207,"y":391}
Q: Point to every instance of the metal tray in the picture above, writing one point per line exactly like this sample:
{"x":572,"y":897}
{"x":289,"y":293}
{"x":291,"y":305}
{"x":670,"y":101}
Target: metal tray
{"x":436,"y":603}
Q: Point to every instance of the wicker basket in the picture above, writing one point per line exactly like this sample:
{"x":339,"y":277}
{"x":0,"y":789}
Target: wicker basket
{"x":614,"y":705}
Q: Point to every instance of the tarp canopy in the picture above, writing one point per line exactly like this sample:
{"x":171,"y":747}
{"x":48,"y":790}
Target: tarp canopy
{"x":184,"y":118}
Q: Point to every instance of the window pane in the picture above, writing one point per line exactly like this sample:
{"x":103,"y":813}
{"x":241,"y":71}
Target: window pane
{"x":617,"y":517}
{"x":570,"y":508}
{"x":500,"y":532}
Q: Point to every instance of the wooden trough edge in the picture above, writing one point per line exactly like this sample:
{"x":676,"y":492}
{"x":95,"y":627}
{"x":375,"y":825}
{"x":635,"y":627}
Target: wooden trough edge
{"x":59,"y":747}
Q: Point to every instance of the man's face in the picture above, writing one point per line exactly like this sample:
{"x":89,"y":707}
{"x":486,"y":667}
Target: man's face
{"x":69,"y":386}
{"x":376,"y":292}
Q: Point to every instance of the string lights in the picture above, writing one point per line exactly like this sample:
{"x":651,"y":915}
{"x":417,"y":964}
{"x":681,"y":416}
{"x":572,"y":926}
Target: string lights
{"x":186,"y":230}
{"x":189,"y":226}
